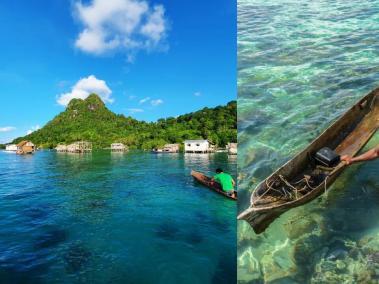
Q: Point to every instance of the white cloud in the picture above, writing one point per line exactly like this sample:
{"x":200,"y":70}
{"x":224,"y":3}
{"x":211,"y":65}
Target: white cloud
{"x":197,"y":94}
{"x":135,"y":110}
{"x":132,"y":97}
{"x":128,"y":25}
{"x":144,"y":100}
{"x":155,"y":26}
{"x":156,"y":102}
{"x":34,"y":128}
{"x":7,"y":128}
{"x":84,"y":87}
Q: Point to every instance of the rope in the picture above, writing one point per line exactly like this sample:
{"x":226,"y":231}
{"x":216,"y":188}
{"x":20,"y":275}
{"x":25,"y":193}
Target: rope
{"x":325,"y":193}
{"x":286,"y":193}
{"x":264,"y":193}
{"x":306,"y":180}
{"x":289,"y":185}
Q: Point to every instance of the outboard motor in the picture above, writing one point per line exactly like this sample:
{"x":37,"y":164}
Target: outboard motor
{"x":327,"y":157}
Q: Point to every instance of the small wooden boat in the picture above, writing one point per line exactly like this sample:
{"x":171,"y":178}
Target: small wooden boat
{"x":301,"y":180}
{"x":207,"y":181}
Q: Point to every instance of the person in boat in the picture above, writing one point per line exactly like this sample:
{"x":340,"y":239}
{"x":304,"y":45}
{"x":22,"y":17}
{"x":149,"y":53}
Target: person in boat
{"x":226,"y":181}
{"x":367,"y":156}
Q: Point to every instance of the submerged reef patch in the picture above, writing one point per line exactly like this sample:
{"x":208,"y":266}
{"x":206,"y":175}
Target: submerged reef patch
{"x":226,"y":270}
{"x":77,"y":256}
{"x":194,"y":237}
{"x":167,"y":231}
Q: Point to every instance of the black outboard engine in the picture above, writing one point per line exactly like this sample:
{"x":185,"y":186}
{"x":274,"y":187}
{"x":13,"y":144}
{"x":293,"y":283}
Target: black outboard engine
{"x":327,"y":157}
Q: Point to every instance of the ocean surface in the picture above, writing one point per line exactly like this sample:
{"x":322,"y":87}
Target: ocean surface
{"x":301,"y":64}
{"x":114,"y":218}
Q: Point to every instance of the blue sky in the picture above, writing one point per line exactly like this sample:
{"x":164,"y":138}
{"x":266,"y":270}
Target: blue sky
{"x":147,"y":59}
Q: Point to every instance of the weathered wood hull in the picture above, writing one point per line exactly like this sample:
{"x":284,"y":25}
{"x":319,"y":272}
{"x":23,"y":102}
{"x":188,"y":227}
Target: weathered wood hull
{"x":346,"y":136}
{"x":206,"y":181}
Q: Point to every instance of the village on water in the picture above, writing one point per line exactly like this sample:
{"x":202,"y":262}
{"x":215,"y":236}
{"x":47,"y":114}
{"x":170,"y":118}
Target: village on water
{"x":190,"y":146}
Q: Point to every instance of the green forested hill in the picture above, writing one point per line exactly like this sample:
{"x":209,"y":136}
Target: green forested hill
{"x":90,"y":120}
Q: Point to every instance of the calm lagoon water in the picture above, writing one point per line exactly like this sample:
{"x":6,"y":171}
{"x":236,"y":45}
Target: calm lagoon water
{"x":114,"y":218}
{"x":301,"y":64}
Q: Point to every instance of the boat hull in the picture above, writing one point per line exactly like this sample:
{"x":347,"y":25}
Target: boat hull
{"x":207,"y":181}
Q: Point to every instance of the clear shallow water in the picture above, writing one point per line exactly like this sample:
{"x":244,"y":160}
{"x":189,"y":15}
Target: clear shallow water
{"x":112,"y":218}
{"x":301,"y":64}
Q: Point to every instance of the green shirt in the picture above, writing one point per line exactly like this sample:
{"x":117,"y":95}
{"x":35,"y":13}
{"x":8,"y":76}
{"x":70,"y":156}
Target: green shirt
{"x":225,"y":180}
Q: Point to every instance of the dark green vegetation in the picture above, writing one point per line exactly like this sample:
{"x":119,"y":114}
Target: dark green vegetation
{"x":2,"y":146}
{"x":90,"y":120}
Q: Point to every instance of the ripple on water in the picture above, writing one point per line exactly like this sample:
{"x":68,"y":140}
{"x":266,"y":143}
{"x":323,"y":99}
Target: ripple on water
{"x":36,"y":213}
{"x":27,"y":267}
{"x":52,"y":237}
{"x":20,"y":195}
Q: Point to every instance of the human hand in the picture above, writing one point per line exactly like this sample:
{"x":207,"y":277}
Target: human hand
{"x":347,"y":159}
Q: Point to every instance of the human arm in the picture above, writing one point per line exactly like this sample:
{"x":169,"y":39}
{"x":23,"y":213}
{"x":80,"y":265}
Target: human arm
{"x":214,"y":179}
{"x":367,"y":156}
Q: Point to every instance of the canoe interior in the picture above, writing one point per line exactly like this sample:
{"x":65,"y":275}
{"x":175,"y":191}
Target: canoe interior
{"x":301,"y":180}
{"x":207,"y":181}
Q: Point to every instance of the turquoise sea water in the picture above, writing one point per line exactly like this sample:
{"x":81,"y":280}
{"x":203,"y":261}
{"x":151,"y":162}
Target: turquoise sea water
{"x":114,"y":218}
{"x":301,"y":64}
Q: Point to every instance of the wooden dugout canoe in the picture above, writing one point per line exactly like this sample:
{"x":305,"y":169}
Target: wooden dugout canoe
{"x":214,"y":186}
{"x":292,"y":185}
